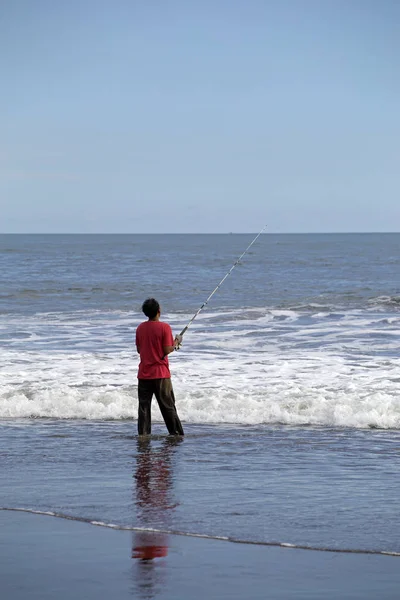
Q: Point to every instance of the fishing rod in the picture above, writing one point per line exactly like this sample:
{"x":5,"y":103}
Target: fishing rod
{"x":217,"y":288}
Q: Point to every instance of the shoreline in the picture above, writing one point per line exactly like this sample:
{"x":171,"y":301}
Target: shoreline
{"x":188,"y":534}
{"x":46,"y":558}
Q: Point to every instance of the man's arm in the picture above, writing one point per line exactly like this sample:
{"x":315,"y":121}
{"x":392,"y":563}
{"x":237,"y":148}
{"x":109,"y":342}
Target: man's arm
{"x":137,"y":342}
{"x":168,"y":349}
{"x":177,"y":343}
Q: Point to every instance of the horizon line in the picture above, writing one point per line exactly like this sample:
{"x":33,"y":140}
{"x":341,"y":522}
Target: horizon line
{"x":196,"y":233}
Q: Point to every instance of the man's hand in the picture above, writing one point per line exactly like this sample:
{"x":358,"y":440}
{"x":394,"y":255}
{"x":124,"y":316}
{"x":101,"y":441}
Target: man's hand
{"x":178,"y":341}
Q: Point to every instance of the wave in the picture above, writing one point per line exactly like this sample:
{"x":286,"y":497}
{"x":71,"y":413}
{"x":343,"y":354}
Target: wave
{"x":392,"y":302}
{"x":232,"y":540}
{"x":240,"y":366}
{"x":348,"y":302}
{"x":76,"y":289}
{"x":288,"y":404}
{"x":51,"y":297}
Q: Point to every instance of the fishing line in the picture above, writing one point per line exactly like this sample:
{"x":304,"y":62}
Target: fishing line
{"x":219,"y":285}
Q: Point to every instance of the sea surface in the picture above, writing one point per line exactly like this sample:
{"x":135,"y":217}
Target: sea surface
{"x":287,"y":385}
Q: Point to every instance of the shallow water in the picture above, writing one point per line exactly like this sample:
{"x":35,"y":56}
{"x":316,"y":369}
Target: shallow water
{"x":308,"y":486}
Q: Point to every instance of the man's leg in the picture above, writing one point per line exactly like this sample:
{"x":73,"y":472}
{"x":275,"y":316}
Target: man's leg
{"x":166,"y":401}
{"x":145,"y":394}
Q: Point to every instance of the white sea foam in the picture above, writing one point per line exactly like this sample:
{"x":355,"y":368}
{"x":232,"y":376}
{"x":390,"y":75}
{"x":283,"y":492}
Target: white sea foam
{"x":247,"y":366}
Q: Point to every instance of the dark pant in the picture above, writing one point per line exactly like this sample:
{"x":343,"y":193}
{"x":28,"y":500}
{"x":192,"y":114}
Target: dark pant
{"x":162,"y":388}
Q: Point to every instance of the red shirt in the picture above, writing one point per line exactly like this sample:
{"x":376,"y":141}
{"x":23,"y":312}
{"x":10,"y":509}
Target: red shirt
{"x":151,"y":337}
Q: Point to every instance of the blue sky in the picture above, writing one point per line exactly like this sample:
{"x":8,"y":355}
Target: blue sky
{"x":199,"y":116}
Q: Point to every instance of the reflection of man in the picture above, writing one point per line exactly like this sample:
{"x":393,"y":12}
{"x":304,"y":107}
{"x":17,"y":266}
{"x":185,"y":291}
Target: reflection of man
{"x":154,"y":342}
{"x":154,"y":496}
{"x":154,"y":480}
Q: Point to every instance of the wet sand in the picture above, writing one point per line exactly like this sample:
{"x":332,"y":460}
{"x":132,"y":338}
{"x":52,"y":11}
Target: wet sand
{"x":44,"y":558}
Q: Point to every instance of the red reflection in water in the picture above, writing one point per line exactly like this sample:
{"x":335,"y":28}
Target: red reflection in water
{"x":154,"y":495}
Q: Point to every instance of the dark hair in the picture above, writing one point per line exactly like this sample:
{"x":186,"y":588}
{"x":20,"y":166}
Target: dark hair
{"x":150,"y":308}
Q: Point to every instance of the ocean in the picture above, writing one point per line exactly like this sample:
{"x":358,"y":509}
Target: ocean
{"x":287,"y":385}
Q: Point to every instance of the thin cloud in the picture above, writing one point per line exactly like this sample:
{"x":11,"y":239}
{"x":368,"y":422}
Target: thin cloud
{"x":39,"y":175}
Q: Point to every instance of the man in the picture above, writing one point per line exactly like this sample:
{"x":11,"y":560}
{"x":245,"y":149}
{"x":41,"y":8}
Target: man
{"x":154,"y":342}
